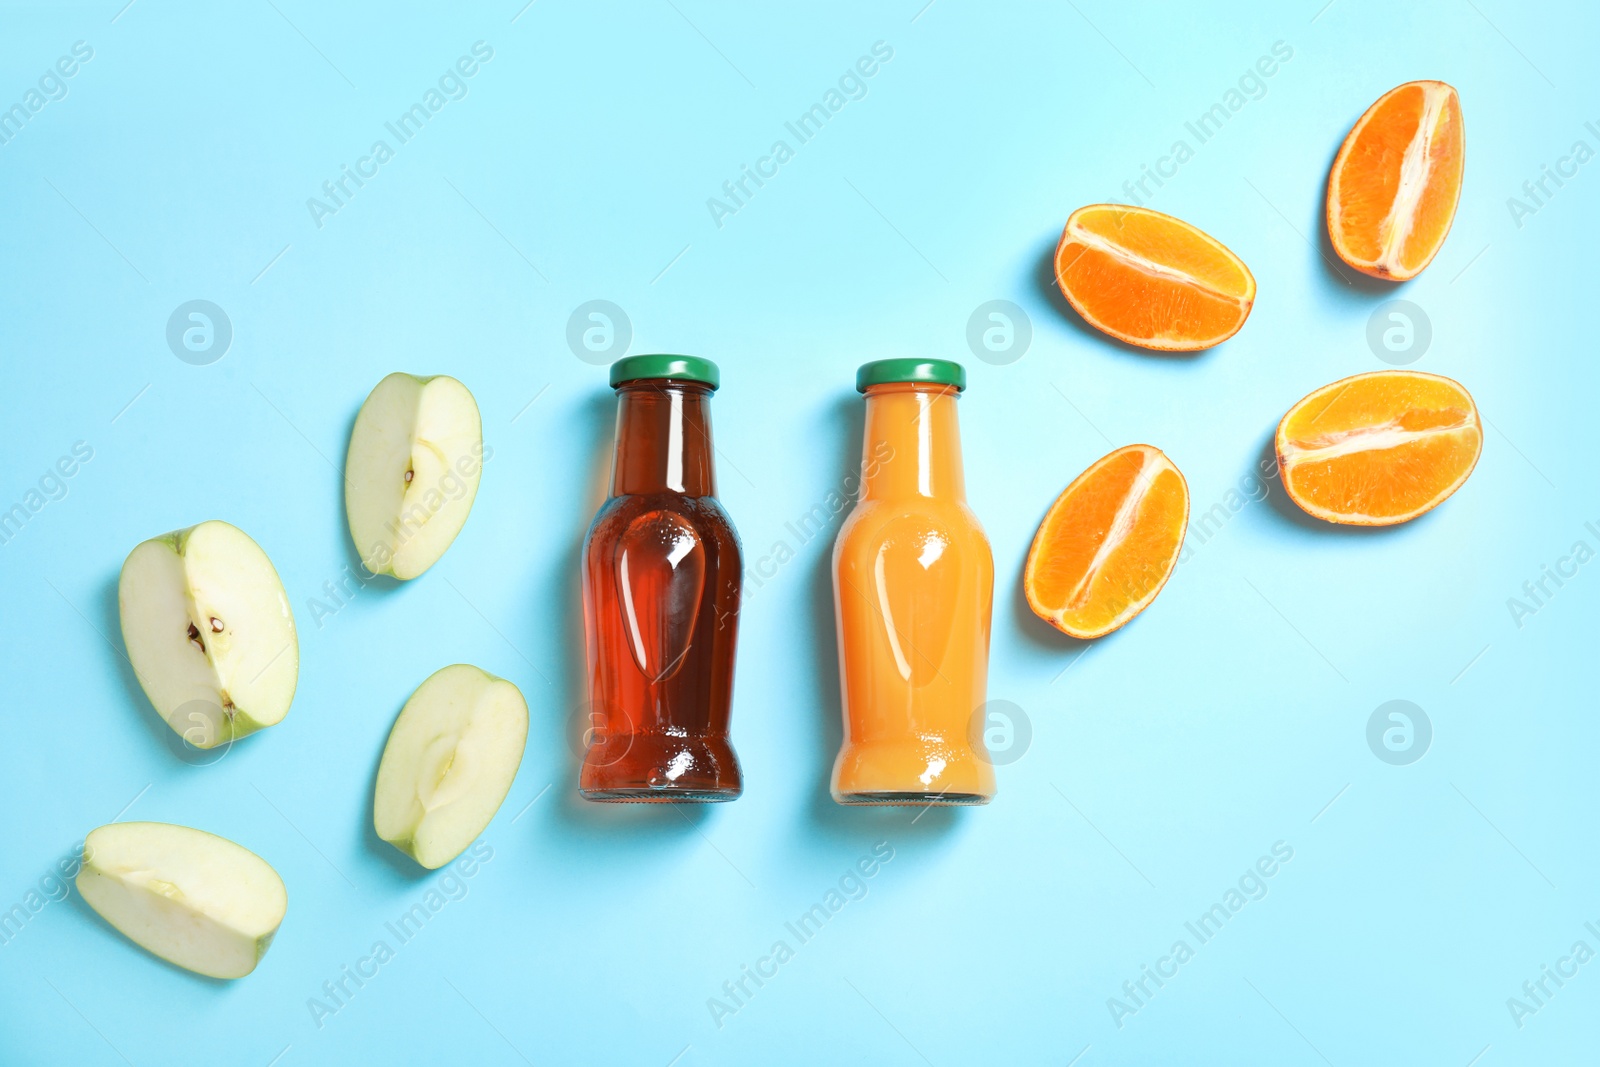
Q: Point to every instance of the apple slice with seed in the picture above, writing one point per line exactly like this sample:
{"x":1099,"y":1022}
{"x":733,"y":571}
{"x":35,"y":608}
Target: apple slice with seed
{"x":209,"y":632}
{"x":194,"y":899}
{"x":449,"y":763}
{"x":412,"y":471}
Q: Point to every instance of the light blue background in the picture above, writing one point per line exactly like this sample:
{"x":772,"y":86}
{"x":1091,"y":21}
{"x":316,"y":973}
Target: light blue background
{"x":1164,"y":759}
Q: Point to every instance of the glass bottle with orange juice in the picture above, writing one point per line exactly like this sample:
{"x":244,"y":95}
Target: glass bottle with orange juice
{"x":913,"y":587}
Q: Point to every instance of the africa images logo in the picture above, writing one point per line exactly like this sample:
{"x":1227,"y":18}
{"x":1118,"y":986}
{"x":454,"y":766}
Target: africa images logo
{"x":199,"y":332}
{"x":850,"y":886}
{"x":51,"y":86}
{"x":852,"y":85}
{"x":452,"y":85}
{"x":1252,"y":885}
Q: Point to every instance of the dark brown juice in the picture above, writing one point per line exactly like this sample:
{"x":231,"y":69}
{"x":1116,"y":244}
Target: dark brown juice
{"x":661,"y":584}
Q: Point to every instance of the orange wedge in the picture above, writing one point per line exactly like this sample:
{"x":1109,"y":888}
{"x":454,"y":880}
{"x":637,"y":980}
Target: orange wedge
{"x":1109,"y":543}
{"x":1394,"y":185}
{"x":1379,"y":448}
{"x":1152,"y":280}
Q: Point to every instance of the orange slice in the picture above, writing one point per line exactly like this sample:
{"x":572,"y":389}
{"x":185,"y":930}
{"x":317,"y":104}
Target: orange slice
{"x":1108,"y":543}
{"x":1394,"y":185}
{"x":1152,"y":280}
{"x":1379,"y":448}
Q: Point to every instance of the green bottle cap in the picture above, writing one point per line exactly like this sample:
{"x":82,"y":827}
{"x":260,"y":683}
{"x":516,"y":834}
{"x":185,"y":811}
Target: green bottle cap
{"x":934,"y":371}
{"x":683,"y":368}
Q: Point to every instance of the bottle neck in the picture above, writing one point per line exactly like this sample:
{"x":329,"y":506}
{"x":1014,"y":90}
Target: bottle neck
{"x":663,"y":439}
{"x":912,"y":443}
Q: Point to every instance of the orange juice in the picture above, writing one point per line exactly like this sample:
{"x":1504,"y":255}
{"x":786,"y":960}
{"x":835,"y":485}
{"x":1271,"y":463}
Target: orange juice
{"x":913,"y":584}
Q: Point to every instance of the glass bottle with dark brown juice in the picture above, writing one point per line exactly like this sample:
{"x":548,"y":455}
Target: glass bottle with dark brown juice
{"x":661,"y":584}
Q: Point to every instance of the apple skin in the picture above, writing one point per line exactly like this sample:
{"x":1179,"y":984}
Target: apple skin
{"x":208,"y":712}
{"x":412,"y":471}
{"x":196,"y":900}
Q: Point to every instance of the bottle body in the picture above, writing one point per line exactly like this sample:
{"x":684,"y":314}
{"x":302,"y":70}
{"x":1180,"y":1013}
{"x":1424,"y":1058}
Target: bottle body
{"x":913,"y":596}
{"x":661,"y":586}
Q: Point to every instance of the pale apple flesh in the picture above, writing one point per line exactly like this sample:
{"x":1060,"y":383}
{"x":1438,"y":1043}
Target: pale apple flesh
{"x":449,"y":763}
{"x":416,"y":456}
{"x":209,"y":632}
{"x":192,"y":898}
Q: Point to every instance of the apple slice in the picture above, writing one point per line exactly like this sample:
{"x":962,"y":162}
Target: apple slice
{"x":449,"y":763}
{"x":194,"y":899}
{"x":209,"y":632}
{"x":412,"y":472}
